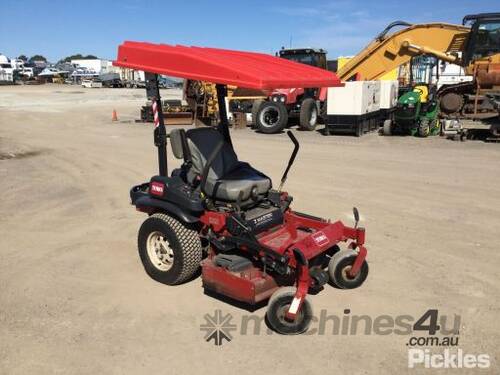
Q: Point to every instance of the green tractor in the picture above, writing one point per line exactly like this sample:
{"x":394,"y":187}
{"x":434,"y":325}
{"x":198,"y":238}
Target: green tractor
{"x":416,"y":114}
{"x":417,"y":110}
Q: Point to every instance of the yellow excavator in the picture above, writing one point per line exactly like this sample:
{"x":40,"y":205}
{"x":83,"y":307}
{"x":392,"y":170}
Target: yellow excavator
{"x":474,"y":45}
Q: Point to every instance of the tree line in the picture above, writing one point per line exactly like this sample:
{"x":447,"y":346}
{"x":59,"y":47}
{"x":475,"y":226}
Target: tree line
{"x":63,"y":60}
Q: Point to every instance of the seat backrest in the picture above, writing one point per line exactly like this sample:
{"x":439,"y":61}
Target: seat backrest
{"x":423,"y":91}
{"x":176,"y":143}
{"x":202,"y":142}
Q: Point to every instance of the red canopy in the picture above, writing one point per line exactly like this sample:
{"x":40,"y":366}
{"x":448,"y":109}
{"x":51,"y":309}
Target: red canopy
{"x":238,"y":68}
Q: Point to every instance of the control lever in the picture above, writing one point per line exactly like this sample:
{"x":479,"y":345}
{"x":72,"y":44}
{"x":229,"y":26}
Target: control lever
{"x":292,"y":158}
{"x":238,"y":202}
{"x":355,"y":213}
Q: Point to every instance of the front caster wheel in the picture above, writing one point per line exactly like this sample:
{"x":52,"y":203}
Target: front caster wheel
{"x":279,"y":303}
{"x":170,"y":251}
{"x":339,"y":267}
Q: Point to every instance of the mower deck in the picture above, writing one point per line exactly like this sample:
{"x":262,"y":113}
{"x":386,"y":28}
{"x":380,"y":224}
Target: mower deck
{"x":311,"y":236}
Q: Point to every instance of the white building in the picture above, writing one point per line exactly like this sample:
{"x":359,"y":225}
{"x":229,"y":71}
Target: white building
{"x":98,"y":65}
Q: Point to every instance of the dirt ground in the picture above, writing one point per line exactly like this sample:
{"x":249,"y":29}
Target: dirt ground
{"x":74,"y":298}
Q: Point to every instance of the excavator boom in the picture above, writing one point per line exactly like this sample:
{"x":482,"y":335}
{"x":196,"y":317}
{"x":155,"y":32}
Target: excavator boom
{"x":388,"y":51}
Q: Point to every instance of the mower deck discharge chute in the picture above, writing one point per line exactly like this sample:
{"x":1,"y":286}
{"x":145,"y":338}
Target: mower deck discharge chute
{"x":219,"y":212}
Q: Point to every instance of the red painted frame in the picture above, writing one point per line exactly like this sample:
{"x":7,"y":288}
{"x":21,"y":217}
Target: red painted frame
{"x":284,"y":239}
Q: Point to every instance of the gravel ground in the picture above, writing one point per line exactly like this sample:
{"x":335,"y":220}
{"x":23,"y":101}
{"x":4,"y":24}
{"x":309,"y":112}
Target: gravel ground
{"x":74,"y":298}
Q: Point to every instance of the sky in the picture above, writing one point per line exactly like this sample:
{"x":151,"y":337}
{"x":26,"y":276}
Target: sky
{"x":58,"y":28}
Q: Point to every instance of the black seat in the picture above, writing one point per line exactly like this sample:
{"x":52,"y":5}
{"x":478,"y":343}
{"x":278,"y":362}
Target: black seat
{"x":227,"y":176}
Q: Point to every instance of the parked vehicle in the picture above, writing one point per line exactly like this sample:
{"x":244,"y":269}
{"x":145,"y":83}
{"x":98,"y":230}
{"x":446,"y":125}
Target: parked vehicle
{"x":27,"y":73}
{"x":416,"y":113}
{"x":7,"y":72}
{"x":91,"y":83}
{"x":418,"y":106}
{"x":223,"y":214}
{"x":306,"y":104}
{"x":474,"y":45}
{"x":111,"y":80}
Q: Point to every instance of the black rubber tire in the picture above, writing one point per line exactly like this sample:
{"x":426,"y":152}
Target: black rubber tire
{"x":424,"y":128}
{"x":255,"y":110}
{"x":278,"y":304}
{"x":340,"y":264}
{"x":308,"y":109}
{"x":387,"y":129}
{"x":276,"y":109}
{"x":358,"y":132}
{"x":184,"y":241}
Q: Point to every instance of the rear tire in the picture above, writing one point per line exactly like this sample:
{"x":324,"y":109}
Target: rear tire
{"x":308,"y":118}
{"x":255,"y":110}
{"x":170,"y":251}
{"x":272,"y":117}
{"x":279,"y":304}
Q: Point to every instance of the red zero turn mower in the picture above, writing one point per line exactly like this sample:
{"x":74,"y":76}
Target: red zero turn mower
{"x":220,"y":213}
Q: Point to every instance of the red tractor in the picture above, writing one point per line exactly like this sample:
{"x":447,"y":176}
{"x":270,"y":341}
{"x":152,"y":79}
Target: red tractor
{"x":221,"y":214}
{"x":306,"y":104}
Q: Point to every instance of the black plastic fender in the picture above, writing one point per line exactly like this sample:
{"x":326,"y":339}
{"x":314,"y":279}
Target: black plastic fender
{"x":169,"y":208}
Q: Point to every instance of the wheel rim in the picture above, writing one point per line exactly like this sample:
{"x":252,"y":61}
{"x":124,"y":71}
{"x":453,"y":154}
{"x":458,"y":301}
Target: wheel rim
{"x":159,"y":251}
{"x":269,"y":117}
{"x":346,"y":276}
{"x":314,"y":117}
{"x":281,"y":315}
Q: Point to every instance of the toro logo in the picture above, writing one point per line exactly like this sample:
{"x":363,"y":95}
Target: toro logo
{"x":320,"y":238}
{"x":156,"y":188}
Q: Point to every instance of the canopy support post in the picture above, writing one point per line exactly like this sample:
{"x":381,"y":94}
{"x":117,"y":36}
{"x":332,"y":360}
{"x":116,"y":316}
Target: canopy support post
{"x":160,"y":133}
{"x":224,"y":123}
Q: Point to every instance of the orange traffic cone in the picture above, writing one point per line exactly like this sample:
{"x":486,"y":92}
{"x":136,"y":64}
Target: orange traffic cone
{"x":114,"y":116}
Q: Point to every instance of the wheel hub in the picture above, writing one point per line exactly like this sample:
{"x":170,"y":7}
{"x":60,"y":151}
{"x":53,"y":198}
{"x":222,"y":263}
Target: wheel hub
{"x":269,"y":116}
{"x":346,"y":273}
{"x":281,"y":313}
{"x":159,"y":251}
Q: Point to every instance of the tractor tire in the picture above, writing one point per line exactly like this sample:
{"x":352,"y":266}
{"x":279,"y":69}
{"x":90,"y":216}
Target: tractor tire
{"x":387,"y":129}
{"x":272,"y":117}
{"x":308,"y":118}
{"x":340,"y":264}
{"x":424,"y":128}
{"x":278,"y":305}
{"x":170,"y":251}
{"x":435,"y":127}
{"x":255,"y":110}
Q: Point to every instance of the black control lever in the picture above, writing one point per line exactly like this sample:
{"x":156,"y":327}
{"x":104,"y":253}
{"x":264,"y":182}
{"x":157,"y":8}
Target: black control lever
{"x":292,"y":158}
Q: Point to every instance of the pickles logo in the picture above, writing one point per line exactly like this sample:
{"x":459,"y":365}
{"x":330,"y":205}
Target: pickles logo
{"x":447,"y":359}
